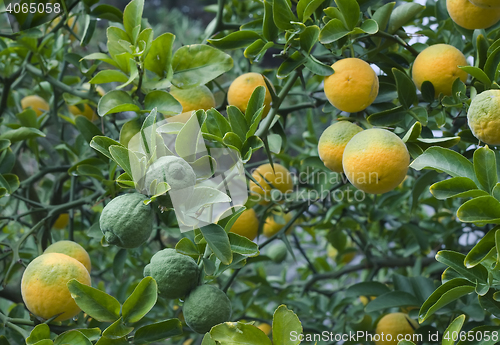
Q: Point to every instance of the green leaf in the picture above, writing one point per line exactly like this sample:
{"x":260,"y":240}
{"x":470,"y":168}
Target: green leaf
{"x":217,"y":124}
{"x":407,"y":92}
{"x":479,"y":334}
{"x":293,"y":62}
{"x":488,"y":303}
{"x":455,"y":187}
{"x":478,"y":74}
{"x":403,"y":14}
{"x":159,"y":58}
{"x":233,"y":140}
{"x":284,"y":323}
{"x":187,"y":247}
{"x":238,"y":122}
{"x":333,"y":31}
{"x":235,"y":40}
{"x":198,"y":64}
{"x":255,"y":103}
{"x":283,"y":15}
{"x":454,"y":327}
{"x":141,"y":301}
{"x":309,"y":37}
{"x":456,"y":261}
{"x":269,"y":29}
{"x":28,"y":118}
{"x":72,"y":337}
{"x":350,"y":12}
{"x":451,"y":162}
{"x":218,"y":241}
{"x":121,"y":155}
{"x":392,"y":299}
{"x":372,"y":288}
{"x":480,"y":209}
{"x":4,"y":144}
{"x":108,"y":12}
{"x":242,"y":245}
{"x":40,"y":332}
{"x":109,"y":76}
{"x":317,"y":67}
{"x":95,"y":303}
{"x":383,"y":14}
{"x":116,"y":101}
{"x":443,"y":295}
{"x":163,"y":101}
{"x":305,"y":8}
{"x":483,"y":249}
{"x":158,"y":331}
{"x":369,"y":26}
{"x":117,"y":330}
{"x":119,"y":263}
{"x":102,"y":145}
{"x":21,"y":133}
{"x":491,"y":65}
{"x":129,"y":130}
{"x":239,"y":333}
{"x":87,"y":128}
{"x":485,"y":166}
{"x":132,"y":16}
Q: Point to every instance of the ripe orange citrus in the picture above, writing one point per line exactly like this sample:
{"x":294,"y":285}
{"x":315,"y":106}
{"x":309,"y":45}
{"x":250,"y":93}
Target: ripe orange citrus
{"x":247,"y":224}
{"x":265,"y":327}
{"x":199,"y":97}
{"x":276,"y":222}
{"x":486,"y":3}
{"x":44,"y":289}
{"x":353,"y":86}
{"x":279,"y":178}
{"x":62,"y":221}
{"x":333,"y":141}
{"x":483,"y":117}
{"x":241,"y":90}
{"x":439,"y":65}
{"x":394,"y":325}
{"x":470,"y":16}
{"x":71,"y":249}
{"x":37,"y":103}
{"x":376,"y":161}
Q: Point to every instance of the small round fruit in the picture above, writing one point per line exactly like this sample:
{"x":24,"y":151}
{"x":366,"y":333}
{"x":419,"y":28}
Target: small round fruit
{"x":37,"y":103}
{"x":87,"y":111}
{"x":272,"y":226}
{"x":469,"y":16}
{"x":486,"y":3}
{"x":62,"y":221}
{"x":353,"y":86}
{"x":247,"y":224}
{"x":376,"y":161}
{"x":439,"y":65}
{"x":126,"y":221}
{"x":173,"y":170}
{"x":44,"y":289}
{"x":199,"y":97}
{"x":205,"y":307}
{"x":333,"y":141}
{"x":280,"y":179}
{"x":394,"y":324}
{"x":484,"y":117}
{"x":265,"y":327}
{"x":241,"y":90}
{"x":278,"y":252}
{"x":71,"y":249}
{"x":175,"y":273}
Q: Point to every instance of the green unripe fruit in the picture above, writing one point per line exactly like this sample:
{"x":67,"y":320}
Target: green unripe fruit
{"x":126,"y":221}
{"x":176,"y":274}
{"x":205,"y":307}
{"x":173,"y":170}
{"x":278,"y":252}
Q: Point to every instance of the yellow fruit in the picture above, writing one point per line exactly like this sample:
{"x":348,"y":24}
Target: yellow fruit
{"x":44,"y":289}
{"x":394,"y":327}
{"x":188,"y":342}
{"x":280,"y":179}
{"x":353,"y":86}
{"x":439,"y":65}
{"x":265,"y":327}
{"x":333,"y":141}
{"x":199,"y":97}
{"x":483,"y":117}
{"x":365,"y":299}
{"x":98,"y":89}
{"x":182,"y":118}
{"x":376,"y":161}
{"x":88,"y":112}
{"x":71,"y":23}
{"x":346,"y":257}
{"x":62,"y":221}
{"x":37,"y":103}
{"x":486,"y":3}
{"x":247,"y":224}
{"x":272,"y":227}
{"x":71,"y":249}
{"x":241,"y":90}
{"x":470,"y":16}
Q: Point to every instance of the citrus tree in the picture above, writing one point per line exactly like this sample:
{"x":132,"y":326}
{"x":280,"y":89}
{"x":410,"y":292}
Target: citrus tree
{"x":309,"y":171}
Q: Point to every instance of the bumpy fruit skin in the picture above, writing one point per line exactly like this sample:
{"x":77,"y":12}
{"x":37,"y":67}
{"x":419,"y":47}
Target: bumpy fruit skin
{"x":486,"y":3}
{"x":484,"y":117}
{"x":376,"y":161}
{"x":439,"y":65}
{"x":333,"y":141}
{"x":205,"y":307}
{"x":71,"y":249}
{"x":470,"y":16}
{"x":241,"y":90}
{"x":247,"y":224}
{"x":280,"y":178}
{"x":199,"y":97}
{"x":353,"y":86}
{"x":37,"y":103}
{"x":175,"y":171}
{"x":176,"y":274}
{"x":126,"y":222}
{"x":394,"y":324}
{"x":44,"y":289}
